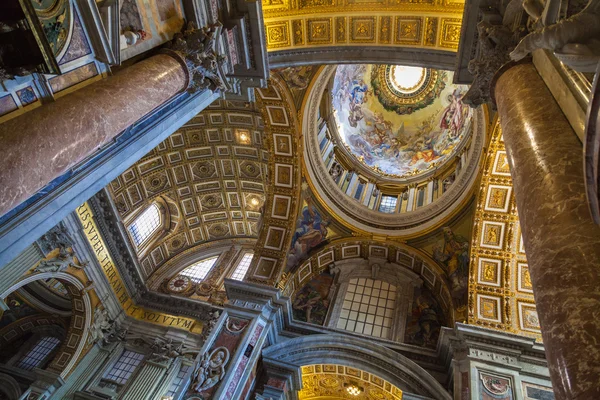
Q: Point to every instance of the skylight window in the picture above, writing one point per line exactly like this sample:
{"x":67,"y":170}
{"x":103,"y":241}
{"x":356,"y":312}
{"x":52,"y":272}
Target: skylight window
{"x":145,"y":225}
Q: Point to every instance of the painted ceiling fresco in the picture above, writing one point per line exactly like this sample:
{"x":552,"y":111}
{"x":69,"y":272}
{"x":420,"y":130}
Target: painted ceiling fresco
{"x":400,"y":121}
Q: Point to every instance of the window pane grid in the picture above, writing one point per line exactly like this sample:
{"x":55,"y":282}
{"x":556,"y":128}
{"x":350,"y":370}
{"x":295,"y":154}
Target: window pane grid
{"x":40,"y":351}
{"x":145,"y":225}
{"x":388,"y":204}
{"x":368,"y":308}
{"x":124,"y":367}
{"x":242,"y":267}
{"x":198,"y":271}
{"x":177,"y":381}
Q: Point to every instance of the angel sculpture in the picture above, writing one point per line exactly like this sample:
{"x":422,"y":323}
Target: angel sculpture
{"x":210,"y":369}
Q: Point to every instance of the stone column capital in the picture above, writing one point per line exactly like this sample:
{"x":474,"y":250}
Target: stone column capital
{"x":196,"y":49}
{"x":494,"y":44}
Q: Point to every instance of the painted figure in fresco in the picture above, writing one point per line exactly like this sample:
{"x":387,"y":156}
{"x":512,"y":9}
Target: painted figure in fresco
{"x":311,"y":230}
{"x":312,"y":301}
{"x":380,"y":138}
{"x":423,"y":150}
{"x":453,"y":116}
{"x":454,"y":255}
{"x":423,"y":325}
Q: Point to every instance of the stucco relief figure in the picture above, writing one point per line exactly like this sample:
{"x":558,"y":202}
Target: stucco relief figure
{"x":102,"y":324}
{"x":575,"y":40}
{"x":210,"y":369}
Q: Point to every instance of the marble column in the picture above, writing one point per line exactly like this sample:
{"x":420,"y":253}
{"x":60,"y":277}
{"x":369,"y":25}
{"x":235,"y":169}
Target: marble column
{"x":560,"y":238}
{"x":45,"y":143}
{"x":146,"y":381}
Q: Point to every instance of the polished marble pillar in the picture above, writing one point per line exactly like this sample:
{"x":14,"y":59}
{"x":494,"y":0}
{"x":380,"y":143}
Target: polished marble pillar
{"x":45,"y":143}
{"x":561,"y":241}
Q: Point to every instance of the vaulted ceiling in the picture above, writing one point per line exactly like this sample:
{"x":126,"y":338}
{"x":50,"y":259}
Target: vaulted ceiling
{"x":211,"y":174}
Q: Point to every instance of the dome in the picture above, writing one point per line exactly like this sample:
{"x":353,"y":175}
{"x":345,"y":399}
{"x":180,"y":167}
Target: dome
{"x":399,"y":121}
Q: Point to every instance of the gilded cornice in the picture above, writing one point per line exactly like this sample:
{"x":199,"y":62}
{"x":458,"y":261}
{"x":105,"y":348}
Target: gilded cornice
{"x":434,"y":24}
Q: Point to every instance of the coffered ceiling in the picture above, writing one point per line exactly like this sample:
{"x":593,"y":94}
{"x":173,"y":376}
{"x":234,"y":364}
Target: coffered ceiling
{"x":211,"y":174}
{"x":297,"y":24}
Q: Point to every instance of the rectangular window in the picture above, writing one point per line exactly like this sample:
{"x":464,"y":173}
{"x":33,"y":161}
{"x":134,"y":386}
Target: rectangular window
{"x":388,"y":204}
{"x":124,"y":367}
{"x":368,"y":308}
{"x":242,"y":268}
{"x":420,"y":196}
{"x":177,"y":381}
{"x":359,"y":190}
{"x":36,"y":356}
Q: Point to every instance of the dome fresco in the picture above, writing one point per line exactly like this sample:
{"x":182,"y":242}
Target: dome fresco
{"x":399,"y":121}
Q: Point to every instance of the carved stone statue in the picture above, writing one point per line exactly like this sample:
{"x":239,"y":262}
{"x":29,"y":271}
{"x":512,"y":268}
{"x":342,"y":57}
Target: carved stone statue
{"x":58,"y":263}
{"x":102,"y":324}
{"x":198,"y":48}
{"x":56,"y":238}
{"x":575,"y":40}
{"x":210,"y":369}
{"x":165,"y":350}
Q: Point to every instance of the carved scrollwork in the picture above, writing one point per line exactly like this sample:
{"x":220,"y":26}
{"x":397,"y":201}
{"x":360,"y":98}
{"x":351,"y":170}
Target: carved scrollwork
{"x":198,"y":48}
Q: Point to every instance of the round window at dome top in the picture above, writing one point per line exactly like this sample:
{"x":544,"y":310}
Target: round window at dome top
{"x":407,"y":79}
{"x":399,"y":121}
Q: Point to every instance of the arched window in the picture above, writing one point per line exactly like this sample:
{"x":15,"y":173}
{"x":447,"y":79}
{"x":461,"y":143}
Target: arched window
{"x":242,"y":268}
{"x":145,"y":225}
{"x":198,"y":271}
{"x":38,"y":354}
{"x":368,"y":308}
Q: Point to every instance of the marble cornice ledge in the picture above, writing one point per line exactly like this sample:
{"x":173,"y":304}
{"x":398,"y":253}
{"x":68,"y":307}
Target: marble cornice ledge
{"x":492,"y":347}
{"x":124,"y":257}
{"x":257,"y":297}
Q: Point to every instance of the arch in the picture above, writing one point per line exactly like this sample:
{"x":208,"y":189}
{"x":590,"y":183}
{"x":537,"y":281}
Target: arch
{"x":398,"y":255}
{"x":80,"y":320}
{"x":9,"y":387}
{"x":281,"y":203}
{"x":192,"y":255}
{"x":356,"y":353}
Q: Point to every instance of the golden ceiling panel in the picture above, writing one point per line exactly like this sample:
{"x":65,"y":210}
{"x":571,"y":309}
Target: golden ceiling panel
{"x":317,"y":23}
{"x":500,"y":291}
{"x":210,"y":176}
{"x":341,"y":382}
{"x":283,"y":192}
